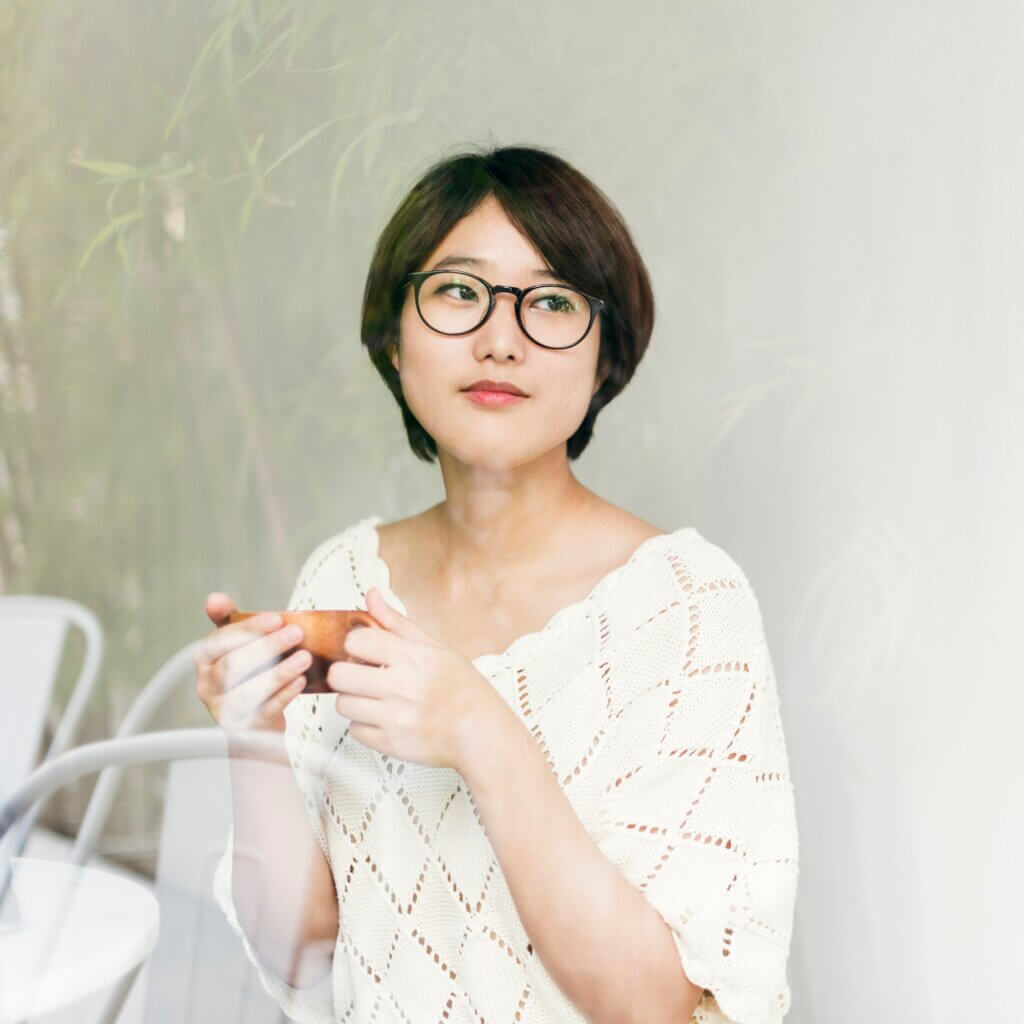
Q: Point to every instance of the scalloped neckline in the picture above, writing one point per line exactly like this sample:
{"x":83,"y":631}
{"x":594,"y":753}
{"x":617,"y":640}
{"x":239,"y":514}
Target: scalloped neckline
{"x":382,"y":580}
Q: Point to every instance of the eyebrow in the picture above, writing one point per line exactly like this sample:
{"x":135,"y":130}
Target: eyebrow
{"x":475,"y":264}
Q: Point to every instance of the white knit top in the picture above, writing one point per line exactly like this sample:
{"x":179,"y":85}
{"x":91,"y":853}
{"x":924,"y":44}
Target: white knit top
{"x":655,"y":703}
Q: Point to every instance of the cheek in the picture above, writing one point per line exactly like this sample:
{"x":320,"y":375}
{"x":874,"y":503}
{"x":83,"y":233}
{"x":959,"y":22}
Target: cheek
{"x":558,"y":408}
{"x":415,"y":357}
{"x":406,"y":329}
{"x":576,"y":400}
{"x":576,"y":382}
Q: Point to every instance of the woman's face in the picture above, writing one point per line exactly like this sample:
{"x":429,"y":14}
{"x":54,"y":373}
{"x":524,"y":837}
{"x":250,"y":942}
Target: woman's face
{"x":435,"y":368}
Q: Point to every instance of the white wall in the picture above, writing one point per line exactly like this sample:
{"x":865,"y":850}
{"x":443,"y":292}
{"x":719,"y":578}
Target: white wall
{"x":828,"y":198}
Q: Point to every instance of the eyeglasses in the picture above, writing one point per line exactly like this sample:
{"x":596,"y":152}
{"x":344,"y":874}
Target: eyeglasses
{"x":552,"y":315}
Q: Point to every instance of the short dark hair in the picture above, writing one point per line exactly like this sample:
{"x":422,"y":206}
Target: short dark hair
{"x":573,"y":225}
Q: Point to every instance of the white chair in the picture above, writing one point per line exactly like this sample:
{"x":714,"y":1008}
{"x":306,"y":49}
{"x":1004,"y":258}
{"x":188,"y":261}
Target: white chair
{"x":198,"y":971}
{"x":177,"y":670}
{"x":196,"y":943}
{"x":33,"y":631}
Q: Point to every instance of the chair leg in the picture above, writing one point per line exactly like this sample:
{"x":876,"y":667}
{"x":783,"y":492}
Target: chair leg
{"x":116,"y":1000}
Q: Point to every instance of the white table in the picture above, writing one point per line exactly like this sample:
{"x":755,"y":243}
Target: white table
{"x":81,"y":929}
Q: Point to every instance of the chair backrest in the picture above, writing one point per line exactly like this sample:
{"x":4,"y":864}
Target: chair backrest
{"x":30,"y":652}
{"x":198,"y":971}
{"x":33,"y":630}
{"x":176,"y":670}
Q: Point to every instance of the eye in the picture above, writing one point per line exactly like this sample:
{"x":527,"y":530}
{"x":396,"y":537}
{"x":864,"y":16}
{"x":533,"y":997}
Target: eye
{"x":453,"y":287}
{"x":457,"y":290}
{"x":559,"y":301}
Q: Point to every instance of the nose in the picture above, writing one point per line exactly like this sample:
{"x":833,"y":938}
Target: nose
{"x":506,"y":323}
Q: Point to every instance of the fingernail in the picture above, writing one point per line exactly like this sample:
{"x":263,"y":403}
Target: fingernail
{"x":271,"y":620}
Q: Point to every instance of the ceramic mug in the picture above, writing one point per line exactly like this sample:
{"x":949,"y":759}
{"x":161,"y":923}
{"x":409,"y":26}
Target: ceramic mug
{"x":323,"y":635}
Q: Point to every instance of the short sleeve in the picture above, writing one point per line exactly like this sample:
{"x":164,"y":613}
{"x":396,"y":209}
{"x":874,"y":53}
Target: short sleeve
{"x":699,"y":811}
{"x":313,"y":1004}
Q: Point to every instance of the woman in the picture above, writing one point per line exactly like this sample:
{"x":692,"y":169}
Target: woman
{"x":558,"y":787}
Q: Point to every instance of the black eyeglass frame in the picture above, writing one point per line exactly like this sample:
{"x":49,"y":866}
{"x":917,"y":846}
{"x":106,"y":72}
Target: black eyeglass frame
{"x":416,"y":279}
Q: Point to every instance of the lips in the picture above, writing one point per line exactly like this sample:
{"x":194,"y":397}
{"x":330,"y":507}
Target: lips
{"x":494,"y":385}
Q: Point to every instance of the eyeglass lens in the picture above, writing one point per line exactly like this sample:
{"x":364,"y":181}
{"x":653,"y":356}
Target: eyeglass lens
{"x":453,"y":303}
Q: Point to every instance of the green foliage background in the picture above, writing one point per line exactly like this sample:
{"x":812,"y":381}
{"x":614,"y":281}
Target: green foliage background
{"x":187,"y":205}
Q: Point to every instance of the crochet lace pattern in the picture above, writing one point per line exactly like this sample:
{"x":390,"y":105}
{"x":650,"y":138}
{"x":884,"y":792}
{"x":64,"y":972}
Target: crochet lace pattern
{"x":655,"y":704}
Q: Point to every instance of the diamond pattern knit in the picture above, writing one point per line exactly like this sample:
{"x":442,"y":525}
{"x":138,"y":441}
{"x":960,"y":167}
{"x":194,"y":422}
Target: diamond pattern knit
{"x":654,"y":701}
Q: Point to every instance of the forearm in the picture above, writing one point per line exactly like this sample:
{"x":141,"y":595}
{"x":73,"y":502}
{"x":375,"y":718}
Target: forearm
{"x":282,"y":884}
{"x":599,"y":938}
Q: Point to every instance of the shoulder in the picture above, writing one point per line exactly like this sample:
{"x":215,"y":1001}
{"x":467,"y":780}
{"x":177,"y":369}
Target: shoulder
{"x":703,"y":561}
{"x":724,"y":613}
{"x":409,"y":546}
{"x":699,"y":562}
{"x":709,"y":564}
{"x":710,"y":573}
{"x":333,"y":560}
{"x":395,"y":539}
{"x":333,"y":545}
{"x":610,"y":518}
{"x":614,"y":537}
{"x":685,"y":587}
{"x":691,"y":562}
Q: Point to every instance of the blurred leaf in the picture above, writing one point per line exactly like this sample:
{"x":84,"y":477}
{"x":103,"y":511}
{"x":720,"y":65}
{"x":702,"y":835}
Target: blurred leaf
{"x":111,"y":198}
{"x":122,"y":252}
{"x":250,"y":201}
{"x":169,"y":174}
{"x":216,"y":40}
{"x":114,"y":171}
{"x":172,"y":377}
{"x":305,"y":140}
{"x":386,"y":120}
{"x":118,"y":173}
{"x":116,"y":225}
{"x":269,"y":52}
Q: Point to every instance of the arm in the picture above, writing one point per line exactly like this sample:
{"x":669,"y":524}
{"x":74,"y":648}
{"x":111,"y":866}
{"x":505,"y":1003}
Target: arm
{"x":285,"y":896}
{"x":598,"y":937}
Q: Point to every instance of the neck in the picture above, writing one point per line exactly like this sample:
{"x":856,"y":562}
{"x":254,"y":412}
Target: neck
{"x":485,"y":531}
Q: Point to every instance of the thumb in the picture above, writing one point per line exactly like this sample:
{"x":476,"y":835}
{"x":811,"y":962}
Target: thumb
{"x":393,"y":620}
{"x":219,"y":606}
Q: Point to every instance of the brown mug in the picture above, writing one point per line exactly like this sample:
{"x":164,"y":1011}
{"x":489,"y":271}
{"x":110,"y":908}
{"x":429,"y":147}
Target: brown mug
{"x":323,"y":635}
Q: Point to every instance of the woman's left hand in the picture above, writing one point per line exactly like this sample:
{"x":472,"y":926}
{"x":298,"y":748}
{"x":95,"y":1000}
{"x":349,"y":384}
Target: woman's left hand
{"x":416,"y":699}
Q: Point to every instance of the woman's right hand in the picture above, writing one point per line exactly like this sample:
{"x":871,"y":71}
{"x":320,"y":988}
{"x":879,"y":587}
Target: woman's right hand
{"x":235,"y":675}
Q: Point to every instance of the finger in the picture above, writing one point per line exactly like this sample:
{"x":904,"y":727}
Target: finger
{"x":218,"y":607}
{"x":371,"y":644}
{"x":262,"y":653}
{"x":271,"y":707}
{"x":372,"y":737}
{"x":280,"y":700}
{"x":227,"y":638}
{"x":364,"y":680}
{"x":364,"y":710}
{"x":252,"y":693}
{"x":391,"y":618}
